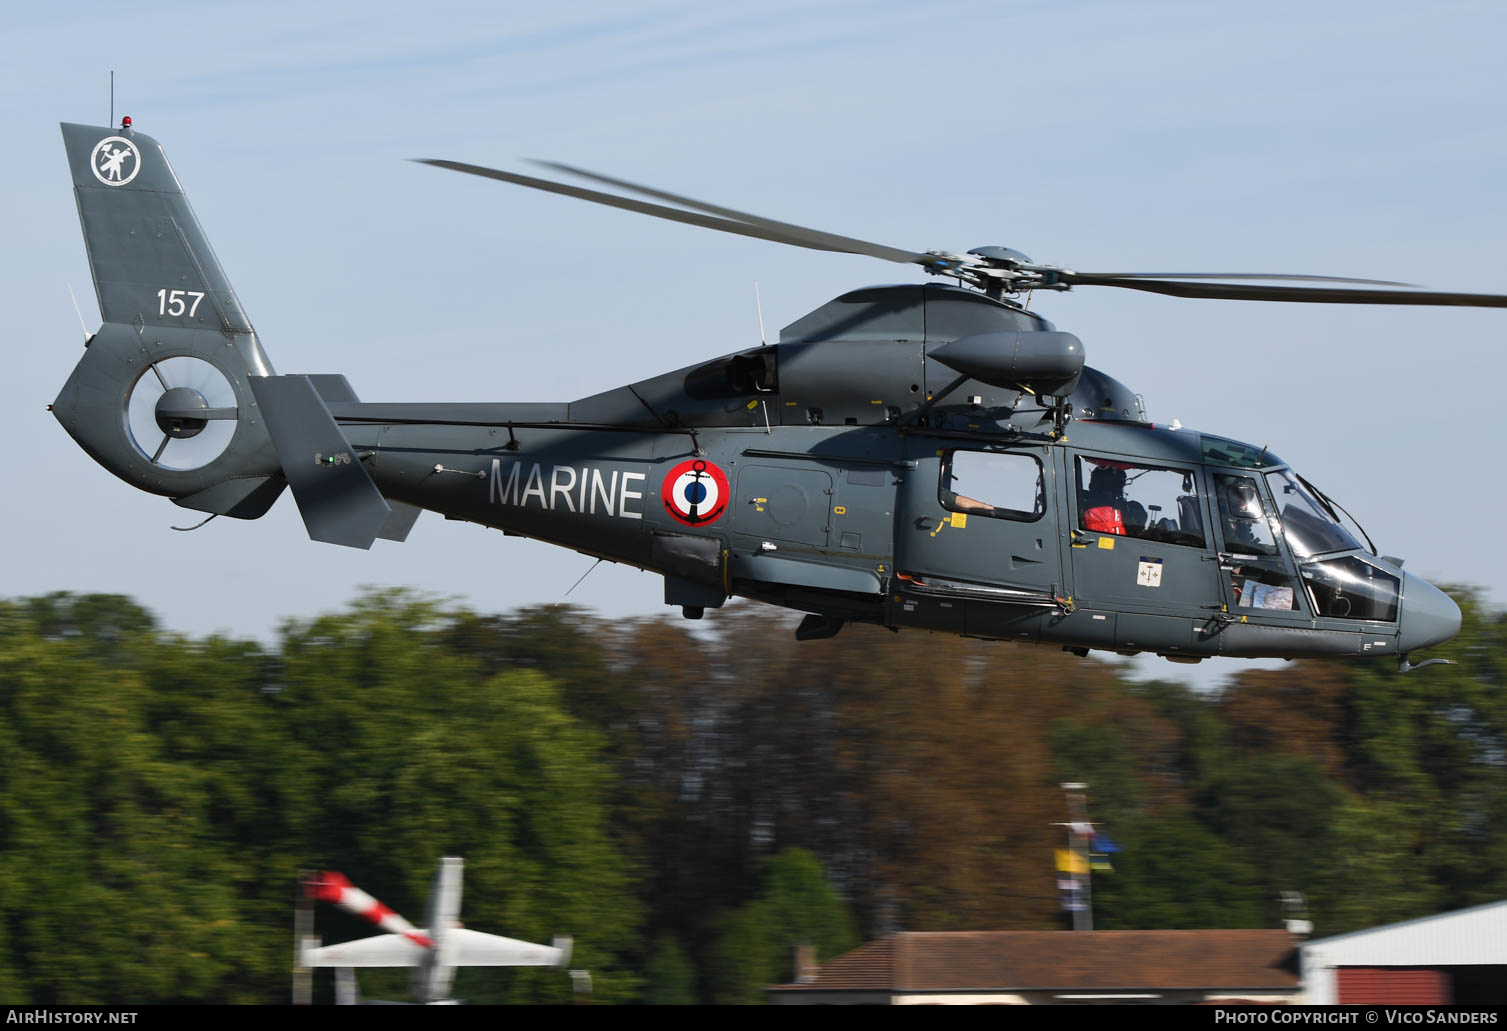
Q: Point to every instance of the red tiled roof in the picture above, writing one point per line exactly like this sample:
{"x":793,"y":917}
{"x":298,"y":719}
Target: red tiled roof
{"x":934,"y":961}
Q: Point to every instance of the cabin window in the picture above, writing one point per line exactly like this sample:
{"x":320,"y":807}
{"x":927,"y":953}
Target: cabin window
{"x":1001,"y":485}
{"x":1126,"y":499}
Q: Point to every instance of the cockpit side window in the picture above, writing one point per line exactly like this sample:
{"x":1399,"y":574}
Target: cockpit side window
{"x":1259,"y":577}
{"x":1150,"y":503}
{"x":1002,"y":485}
{"x":1244,"y":519}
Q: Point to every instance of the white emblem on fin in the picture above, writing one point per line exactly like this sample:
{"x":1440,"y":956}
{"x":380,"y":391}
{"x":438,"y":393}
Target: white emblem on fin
{"x":115,"y":161}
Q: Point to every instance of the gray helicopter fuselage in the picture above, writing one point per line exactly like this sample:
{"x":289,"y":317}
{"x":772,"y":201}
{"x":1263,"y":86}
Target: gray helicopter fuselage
{"x":853,"y":524}
{"x":860,"y":521}
{"x":909,"y":456}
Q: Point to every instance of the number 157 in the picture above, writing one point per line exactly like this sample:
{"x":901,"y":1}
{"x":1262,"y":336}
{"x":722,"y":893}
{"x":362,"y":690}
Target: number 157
{"x":176,"y":302}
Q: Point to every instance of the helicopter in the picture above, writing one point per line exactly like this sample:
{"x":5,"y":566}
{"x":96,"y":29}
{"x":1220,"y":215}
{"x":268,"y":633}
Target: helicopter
{"x":929,"y":455}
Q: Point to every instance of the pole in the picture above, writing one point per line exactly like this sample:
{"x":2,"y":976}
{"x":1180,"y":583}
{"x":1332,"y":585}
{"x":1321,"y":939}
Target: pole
{"x":303,"y":932}
{"x":1079,"y":833}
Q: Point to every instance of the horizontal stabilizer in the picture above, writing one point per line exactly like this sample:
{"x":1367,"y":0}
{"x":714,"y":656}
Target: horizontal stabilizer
{"x":478,"y":949}
{"x":384,"y":950}
{"x":337,"y":499}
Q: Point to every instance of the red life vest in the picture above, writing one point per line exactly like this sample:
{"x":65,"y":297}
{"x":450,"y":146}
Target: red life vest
{"x":1104,"y":519}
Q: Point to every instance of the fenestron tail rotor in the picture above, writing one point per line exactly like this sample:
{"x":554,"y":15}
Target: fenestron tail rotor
{"x":182,"y":413}
{"x":996,"y":270}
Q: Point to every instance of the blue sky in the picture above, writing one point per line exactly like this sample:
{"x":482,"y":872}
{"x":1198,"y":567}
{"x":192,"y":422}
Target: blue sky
{"x":1357,"y":139}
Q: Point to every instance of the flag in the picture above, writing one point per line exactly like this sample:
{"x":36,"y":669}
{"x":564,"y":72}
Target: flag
{"x":1104,"y":843}
{"x":1070,"y":862}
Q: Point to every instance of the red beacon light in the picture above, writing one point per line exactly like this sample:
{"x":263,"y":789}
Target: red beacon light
{"x":125,"y":122}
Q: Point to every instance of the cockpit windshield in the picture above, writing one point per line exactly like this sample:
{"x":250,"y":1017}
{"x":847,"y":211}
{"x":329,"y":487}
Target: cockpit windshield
{"x":1307,"y":524}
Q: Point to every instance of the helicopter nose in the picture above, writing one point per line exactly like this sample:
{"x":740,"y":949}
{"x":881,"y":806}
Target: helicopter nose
{"x":1429,"y":616}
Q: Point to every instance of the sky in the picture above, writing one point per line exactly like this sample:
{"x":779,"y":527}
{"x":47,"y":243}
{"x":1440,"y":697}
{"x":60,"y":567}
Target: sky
{"x":1358,"y":139}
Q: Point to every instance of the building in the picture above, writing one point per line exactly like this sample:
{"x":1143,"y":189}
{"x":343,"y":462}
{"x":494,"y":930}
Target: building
{"x":1455,"y":958}
{"x":1074,"y":967}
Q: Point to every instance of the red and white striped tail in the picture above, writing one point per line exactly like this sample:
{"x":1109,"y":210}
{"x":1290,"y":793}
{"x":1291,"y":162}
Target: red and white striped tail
{"x":331,"y":886}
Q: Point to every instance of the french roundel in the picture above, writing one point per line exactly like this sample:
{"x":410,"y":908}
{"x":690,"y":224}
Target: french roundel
{"x":696,"y":492}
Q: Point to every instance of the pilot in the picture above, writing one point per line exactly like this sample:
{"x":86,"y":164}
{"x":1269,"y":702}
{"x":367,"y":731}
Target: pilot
{"x":963,"y":503}
{"x":1104,"y":500}
{"x":1242,"y":506}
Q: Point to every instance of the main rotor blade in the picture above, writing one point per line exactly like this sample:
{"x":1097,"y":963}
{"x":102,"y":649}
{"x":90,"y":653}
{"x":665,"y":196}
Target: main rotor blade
{"x":1242,"y":275}
{"x":1320,"y":295}
{"x":811,"y":240}
{"x":803,"y":235}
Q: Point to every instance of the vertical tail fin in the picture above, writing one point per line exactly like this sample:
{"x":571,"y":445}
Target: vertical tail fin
{"x":162,"y":396}
{"x":174,"y":394}
{"x":152,"y":265}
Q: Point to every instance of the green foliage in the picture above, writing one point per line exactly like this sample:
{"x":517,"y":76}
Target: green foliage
{"x":1175,"y":874}
{"x":158,"y":806}
{"x":1275,"y":810}
{"x":669,"y":976}
{"x":1097,"y":753}
{"x":796,"y":906}
{"x":737,"y":792}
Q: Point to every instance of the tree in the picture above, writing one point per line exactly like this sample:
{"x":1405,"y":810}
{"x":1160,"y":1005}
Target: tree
{"x":796,"y":906}
{"x":670,"y":976}
{"x":158,"y":797}
{"x":1174,"y":874}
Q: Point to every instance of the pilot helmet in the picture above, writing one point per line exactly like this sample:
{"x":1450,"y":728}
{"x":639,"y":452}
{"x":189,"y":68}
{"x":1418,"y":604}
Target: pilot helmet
{"x":1107,"y":480}
{"x":1244,"y":502}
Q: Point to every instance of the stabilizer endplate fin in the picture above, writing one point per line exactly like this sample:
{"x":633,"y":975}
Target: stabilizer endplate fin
{"x":400,"y":522}
{"x":337,"y":499}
